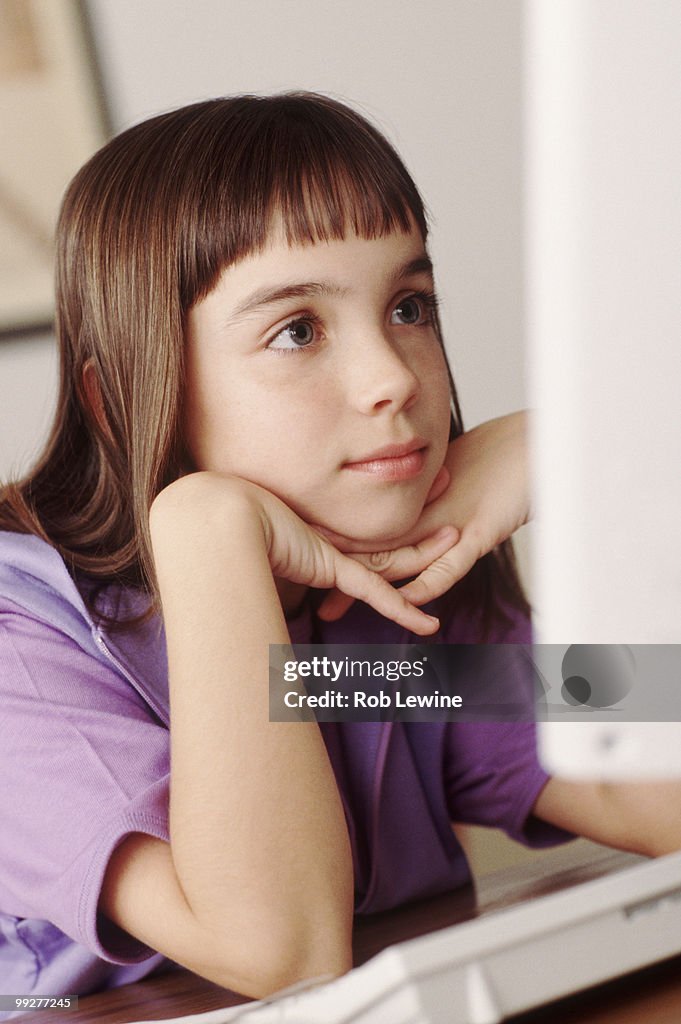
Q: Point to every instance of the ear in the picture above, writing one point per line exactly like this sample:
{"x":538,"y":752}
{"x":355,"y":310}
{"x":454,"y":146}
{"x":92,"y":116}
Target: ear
{"x":92,"y":397}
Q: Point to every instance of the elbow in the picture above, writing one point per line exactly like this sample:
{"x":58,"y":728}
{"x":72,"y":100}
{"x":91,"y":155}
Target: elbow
{"x":278,"y":957}
{"x":282,"y":938}
{"x":660,"y":843}
{"x":281,"y":972}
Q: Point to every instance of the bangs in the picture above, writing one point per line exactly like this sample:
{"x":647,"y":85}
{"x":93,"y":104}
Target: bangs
{"x":300,"y":164}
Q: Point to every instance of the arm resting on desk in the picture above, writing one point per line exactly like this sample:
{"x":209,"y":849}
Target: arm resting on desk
{"x":254,"y":889}
{"x":641,"y":817}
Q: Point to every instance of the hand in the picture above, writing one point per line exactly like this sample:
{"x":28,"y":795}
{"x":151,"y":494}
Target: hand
{"x":299,"y":553}
{"x":483,"y":490}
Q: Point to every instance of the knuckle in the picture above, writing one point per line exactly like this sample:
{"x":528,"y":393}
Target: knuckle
{"x":439,"y":570}
{"x":379,"y":560}
{"x":476,"y":538}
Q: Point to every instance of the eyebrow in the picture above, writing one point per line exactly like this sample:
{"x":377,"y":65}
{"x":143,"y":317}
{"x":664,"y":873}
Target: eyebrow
{"x":307,"y":289}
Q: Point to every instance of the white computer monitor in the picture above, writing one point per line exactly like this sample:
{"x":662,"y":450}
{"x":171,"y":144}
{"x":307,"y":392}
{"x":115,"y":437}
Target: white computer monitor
{"x":603,"y":243}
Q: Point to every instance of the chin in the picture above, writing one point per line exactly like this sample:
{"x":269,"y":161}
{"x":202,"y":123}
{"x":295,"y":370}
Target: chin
{"x":367,"y":526}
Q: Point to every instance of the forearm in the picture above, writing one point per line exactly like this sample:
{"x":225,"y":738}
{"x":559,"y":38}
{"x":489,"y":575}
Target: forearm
{"x":258,"y":836}
{"x":642,"y":817}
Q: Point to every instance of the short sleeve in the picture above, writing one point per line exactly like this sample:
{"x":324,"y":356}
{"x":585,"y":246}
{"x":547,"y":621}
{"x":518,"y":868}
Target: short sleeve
{"x":492,"y":773}
{"x":83,"y":763}
{"x":493,"y":778}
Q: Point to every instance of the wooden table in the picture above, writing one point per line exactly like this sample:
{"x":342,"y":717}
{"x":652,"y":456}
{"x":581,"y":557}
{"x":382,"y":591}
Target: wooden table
{"x":652,"y":996}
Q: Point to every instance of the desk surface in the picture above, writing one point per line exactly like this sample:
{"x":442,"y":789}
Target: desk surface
{"x":652,"y":995}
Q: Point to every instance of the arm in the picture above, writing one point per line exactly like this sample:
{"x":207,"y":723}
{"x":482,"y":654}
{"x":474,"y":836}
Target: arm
{"x":642,"y":817}
{"x":255,"y":889}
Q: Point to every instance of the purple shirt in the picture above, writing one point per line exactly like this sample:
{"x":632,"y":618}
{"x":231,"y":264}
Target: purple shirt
{"x":84,"y":761}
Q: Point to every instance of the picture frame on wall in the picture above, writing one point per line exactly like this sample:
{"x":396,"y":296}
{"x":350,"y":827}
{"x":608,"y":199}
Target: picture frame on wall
{"x":52,"y":118}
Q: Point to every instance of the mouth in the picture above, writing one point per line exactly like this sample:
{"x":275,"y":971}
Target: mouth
{"x":394,"y":462}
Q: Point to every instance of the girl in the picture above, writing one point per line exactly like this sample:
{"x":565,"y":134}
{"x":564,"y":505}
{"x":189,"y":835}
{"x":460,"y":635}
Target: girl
{"x":252,"y":379}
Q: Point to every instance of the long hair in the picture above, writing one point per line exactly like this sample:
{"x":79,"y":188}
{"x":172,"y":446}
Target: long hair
{"x":146,"y":228}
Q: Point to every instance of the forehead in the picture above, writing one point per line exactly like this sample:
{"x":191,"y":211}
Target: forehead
{"x":339,"y":266}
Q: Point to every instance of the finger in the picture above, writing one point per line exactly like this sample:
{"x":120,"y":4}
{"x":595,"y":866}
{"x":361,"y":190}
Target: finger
{"x":334,"y":606}
{"x":441,"y":575}
{"x":439,"y":485}
{"x":357,"y":581}
{"x":339,"y":541}
{"x":392,"y":565}
{"x":410,"y":559}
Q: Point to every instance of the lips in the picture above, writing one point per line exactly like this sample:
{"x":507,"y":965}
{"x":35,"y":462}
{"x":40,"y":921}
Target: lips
{"x":393,"y":462}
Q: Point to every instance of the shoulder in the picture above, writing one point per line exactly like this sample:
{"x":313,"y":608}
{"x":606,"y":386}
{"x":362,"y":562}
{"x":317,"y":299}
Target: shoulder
{"x":45,"y":621}
{"x":43,"y":618}
{"x":463,"y":619}
{"x":461,"y":623}
{"x":510,"y":626}
{"x":25,"y":558}
{"x":33,"y":577}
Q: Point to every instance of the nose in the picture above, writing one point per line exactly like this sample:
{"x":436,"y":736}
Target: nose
{"x":382,"y":377}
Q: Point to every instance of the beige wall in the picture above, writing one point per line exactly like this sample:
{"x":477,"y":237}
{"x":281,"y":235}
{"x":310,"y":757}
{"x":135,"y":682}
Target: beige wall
{"x":28,"y":374}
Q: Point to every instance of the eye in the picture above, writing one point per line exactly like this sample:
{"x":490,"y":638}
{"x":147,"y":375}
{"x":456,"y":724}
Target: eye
{"x":414,"y":310}
{"x":295,"y":335}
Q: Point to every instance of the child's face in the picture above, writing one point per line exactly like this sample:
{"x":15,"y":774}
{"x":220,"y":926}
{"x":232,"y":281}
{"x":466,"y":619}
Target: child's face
{"x":305,"y":363}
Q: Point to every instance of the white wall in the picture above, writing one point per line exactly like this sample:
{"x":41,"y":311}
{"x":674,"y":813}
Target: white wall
{"x":443,"y":79}
{"x":604,"y":300}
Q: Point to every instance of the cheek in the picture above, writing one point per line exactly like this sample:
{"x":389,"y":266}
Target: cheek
{"x":436,"y":390}
{"x":216,"y":424}
{"x":268,"y":439}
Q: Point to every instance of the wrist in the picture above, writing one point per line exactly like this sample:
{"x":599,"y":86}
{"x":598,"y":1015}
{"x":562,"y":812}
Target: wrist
{"x":200,"y":499}
{"x":202,"y":516}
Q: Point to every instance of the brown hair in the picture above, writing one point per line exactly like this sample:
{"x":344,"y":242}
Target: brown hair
{"x":146,"y":227}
